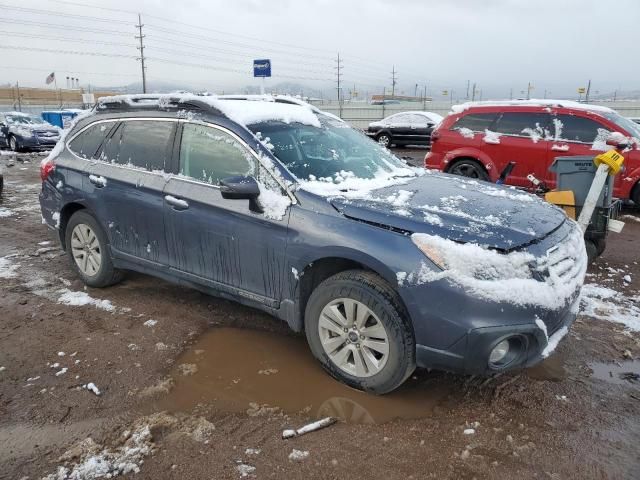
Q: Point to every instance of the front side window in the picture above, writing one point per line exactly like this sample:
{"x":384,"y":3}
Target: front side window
{"x":88,"y":142}
{"x":476,"y":122}
{"x":522,"y":123}
{"x":140,"y":143}
{"x":576,"y":129}
{"x":210,"y":155}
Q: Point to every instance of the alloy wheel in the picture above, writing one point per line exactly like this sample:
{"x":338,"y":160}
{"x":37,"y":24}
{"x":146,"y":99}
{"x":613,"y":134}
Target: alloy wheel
{"x":85,"y":248}
{"x":384,"y":140}
{"x":353,"y":337}
{"x":466,"y":170}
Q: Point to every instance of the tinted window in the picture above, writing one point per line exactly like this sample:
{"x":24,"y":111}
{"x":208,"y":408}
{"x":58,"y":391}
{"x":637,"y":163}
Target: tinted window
{"x":87,"y":143}
{"x":403,"y":119}
{"x":577,"y":129}
{"x":209,"y":155}
{"x":513,"y":123}
{"x":478,"y":122}
{"x":419,"y":120}
{"x":140,"y":143}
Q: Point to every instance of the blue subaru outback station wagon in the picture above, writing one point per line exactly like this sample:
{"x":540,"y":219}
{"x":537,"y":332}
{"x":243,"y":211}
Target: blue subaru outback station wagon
{"x":277,"y":205}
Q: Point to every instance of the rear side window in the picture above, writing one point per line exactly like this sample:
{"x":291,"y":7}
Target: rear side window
{"x":140,"y":143}
{"x":477,"y":122}
{"x":209,"y":155}
{"x":88,"y":142}
{"x":519,"y":123}
{"x":577,"y":129}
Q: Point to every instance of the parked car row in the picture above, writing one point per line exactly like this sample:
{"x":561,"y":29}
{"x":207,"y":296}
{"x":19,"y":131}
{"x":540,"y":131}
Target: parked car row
{"x":279,"y":206}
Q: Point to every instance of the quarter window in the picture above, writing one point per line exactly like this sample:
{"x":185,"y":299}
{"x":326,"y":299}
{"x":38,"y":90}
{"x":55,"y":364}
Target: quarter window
{"x":140,"y":143}
{"x":577,"y":129}
{"x":477,"y":122}
{"x":209,"y":155}
{"x":519,"y":123}
{"x":88,"y":142}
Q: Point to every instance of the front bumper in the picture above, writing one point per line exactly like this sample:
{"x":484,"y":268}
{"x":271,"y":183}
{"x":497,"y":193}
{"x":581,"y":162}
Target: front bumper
{"x":470,"y":354}
{"x":37,"y":143}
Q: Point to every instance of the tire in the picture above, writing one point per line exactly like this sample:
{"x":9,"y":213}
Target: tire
{"x":601,"y":245}
{"x":469,"y":168}
{"x":635,"y":195}
{"x":592,"y":250}
{"x":13,"y":144}
{"x":98,"y":270}
{"x":383,"y":325}
{"x":384,"y":139}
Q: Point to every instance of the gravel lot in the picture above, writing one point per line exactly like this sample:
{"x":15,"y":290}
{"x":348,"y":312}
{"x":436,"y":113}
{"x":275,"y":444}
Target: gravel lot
{"x":196,"y":387}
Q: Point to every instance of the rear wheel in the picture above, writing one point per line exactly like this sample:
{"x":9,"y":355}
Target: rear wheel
{"x":635,"y":195}
{"x":87,"y":247}
{"x":356,"y":328}
{"x":384,"y":139}
{"x":469,"y":168}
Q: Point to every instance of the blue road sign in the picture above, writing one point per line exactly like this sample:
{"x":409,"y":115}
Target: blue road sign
{"x":262,"y":68}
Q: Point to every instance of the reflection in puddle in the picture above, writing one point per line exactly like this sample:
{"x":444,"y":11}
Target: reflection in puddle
{"x":552,"y":369}
{"x":255,"y":372}
{"x":620,"y":373}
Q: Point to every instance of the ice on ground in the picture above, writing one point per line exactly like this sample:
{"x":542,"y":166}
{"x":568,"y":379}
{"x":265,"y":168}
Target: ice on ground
{"x":62,"y":371}
{"x":606,"y":304}
{"x":627,"y":278}
{"x":79,"y":299}
{"x":5,"y":212}
{"x":252,"y":451}
{"x":469,"y":431}
{"x":150,"y":323}
{"x":92,"y":388}
{"x":298,"y":455}
{"x":7,"y":268}
{"x":245,"y":470}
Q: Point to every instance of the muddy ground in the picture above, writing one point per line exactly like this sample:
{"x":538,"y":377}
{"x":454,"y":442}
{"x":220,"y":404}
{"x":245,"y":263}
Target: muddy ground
{"x":196,"y":387}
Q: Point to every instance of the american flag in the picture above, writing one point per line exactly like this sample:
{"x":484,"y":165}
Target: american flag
{"x":51,"y":78}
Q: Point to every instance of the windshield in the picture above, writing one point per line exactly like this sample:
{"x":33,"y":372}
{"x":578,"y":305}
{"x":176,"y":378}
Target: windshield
{"x":23,"y":120}
{"x":332,"y":153}
{"x":631,"y":127}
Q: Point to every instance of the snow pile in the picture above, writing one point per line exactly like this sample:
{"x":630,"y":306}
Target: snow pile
{"x":466,"y":133}
{"x":491,"y":137}
{"x":606,"y":304}
{"x":79,"y":299}
{"x":498,"y":277}
{"x":7,"y":268}
{"x":107,"y":463}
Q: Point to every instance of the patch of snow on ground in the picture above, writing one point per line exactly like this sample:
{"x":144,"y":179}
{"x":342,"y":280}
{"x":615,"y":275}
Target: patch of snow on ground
{"x":297,"y":455}
{"x":109,"y":463}
{"x":79,"y":299}
{"x":150,"y":323}
{"x":7,"y":268}
{"x":5,"y":212}
{"x":606,"y":304}
{"x":245,"y":470}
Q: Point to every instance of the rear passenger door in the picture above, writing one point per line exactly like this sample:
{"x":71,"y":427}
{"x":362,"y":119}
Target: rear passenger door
{"x":125,"y":188}
{"x":215,"y":241}
{"x":523,"y":140}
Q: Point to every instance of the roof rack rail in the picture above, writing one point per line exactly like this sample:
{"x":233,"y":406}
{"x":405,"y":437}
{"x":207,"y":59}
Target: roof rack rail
{"x":155,"y":102}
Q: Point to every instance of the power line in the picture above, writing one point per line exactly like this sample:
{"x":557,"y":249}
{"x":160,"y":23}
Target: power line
{"x":75,"y":72}
{"x":66,"y":52}
{"x":66,"y":39}
{"x":64,"y":27}
{"x":141,"y":58}
{"x":40,"y":11}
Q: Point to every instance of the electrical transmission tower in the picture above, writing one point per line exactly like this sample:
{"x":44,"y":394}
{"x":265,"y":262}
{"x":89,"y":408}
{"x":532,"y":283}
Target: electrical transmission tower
{"x":141,"y":57}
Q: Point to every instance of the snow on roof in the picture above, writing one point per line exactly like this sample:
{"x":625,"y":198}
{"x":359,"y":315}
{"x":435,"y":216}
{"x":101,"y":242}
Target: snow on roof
{"x":532,"y":103}
{"x":242,"y":109}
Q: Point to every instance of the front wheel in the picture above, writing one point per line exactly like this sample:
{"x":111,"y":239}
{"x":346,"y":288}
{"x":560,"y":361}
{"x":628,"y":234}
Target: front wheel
{"x":357,"y":329}
{"x":87,"y":247}
{"x":470,"y":169}
{"x":384,"y":140}
{"x":13,"y":144}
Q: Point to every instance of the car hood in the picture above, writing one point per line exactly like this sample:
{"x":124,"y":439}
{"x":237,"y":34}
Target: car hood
{"x":458,"y":209}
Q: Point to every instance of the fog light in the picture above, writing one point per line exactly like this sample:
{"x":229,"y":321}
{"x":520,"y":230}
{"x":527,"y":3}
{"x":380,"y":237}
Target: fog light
{"x":499,"y":352}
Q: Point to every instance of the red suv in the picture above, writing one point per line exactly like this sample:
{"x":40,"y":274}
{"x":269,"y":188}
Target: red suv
{"x":479,"y":139}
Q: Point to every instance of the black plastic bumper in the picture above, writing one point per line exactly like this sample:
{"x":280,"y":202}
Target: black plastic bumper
{"x":470,"y":355}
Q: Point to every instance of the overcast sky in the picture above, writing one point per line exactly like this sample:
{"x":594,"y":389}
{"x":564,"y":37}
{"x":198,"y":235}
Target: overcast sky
{"x":498,"y":44}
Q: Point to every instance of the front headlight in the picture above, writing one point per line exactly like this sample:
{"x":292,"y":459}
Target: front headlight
{"x":432,"y":252}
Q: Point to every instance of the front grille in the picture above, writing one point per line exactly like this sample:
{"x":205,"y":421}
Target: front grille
{"x":563,"y":265}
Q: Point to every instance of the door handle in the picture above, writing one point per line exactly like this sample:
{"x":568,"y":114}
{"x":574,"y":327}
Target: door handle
{"x":176,"y":203}
{"x":98,"y":181}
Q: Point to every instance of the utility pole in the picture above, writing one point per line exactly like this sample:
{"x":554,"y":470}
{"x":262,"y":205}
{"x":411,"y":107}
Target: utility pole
{"x":467,"y":96}
{"x":586,"y":98}
{"x":529,"y":88}
{"x":393,"y":81}
{"x":19,"y":101}
{"x":141,"y":58}
{"x":338,"y":69}
{"x":511,"y":93}
{"x":473,"y":92}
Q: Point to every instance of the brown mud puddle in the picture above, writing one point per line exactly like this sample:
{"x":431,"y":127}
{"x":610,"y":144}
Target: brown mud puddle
{"x":618,"y":373}
{"x":247,"y":371}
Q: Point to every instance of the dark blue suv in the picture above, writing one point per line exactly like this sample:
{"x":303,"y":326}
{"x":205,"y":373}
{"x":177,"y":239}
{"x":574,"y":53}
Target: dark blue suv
{"x":272,"y":203}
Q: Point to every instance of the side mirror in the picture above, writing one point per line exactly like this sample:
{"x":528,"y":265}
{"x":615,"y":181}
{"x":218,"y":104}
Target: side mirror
{"x":618,"y":141}
{"x":241,"y":188}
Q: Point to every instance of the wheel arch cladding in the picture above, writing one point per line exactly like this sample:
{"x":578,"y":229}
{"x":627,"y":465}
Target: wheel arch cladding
{"x":65,"y":214}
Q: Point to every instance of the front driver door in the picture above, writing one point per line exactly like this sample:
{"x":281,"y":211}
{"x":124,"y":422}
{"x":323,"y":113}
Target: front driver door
{"x":215,"y":241}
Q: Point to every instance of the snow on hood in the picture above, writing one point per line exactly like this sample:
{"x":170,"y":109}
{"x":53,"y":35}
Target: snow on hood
{"x":452,"y":207}
{"x":507,"y":278}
